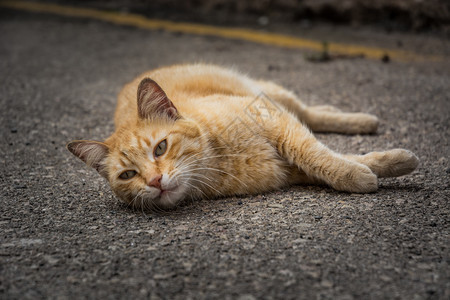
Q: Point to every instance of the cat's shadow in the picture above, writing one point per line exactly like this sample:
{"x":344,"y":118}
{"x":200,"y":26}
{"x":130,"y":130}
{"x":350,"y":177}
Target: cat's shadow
{"x":409,"y":187}
{"x":198,"y":207}
{"x":183,"y":209}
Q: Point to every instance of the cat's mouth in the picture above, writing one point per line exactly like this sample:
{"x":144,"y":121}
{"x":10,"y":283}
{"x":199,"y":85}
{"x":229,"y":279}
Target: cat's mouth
{"x":156,"y":199}
{"x":156,"y":193}
{"x":165,"y":192}
{"x":168,"y":193}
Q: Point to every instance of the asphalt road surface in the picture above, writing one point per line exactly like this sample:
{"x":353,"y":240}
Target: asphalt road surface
{"x":64,"y":235}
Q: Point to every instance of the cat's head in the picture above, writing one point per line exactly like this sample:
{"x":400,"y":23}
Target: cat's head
{"x":149,"y":164}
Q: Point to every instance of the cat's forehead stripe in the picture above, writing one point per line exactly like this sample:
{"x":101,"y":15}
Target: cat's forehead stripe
{"x":187,"y":133}
{"x":126,"y":158}
{"x":122,"y":162}
{"x":147,"y":141}
{"x":143,"y":141}
{"x":134,"y":142}
{"x":159,"y":135}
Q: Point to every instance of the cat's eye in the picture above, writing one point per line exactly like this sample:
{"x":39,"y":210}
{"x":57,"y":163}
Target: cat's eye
{"x":127,"y":174}
{"x":161,"y":148}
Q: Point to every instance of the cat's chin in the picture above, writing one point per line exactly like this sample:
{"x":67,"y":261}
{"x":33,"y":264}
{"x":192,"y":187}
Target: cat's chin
{"x":166,"y":200}
{"x":169,"y":198}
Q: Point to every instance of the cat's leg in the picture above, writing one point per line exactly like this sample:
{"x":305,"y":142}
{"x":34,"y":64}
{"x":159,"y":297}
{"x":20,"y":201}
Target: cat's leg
{"x":392,"y":163}
{"x":339,"y":122}
{"x":325,"y":108}
{"x":323,"y":118}
{"x":298,"y":146}
{"x":298,"y":176}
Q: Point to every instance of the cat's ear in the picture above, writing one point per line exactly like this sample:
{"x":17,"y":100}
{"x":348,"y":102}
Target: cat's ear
{"x":91,"y":152}
{"x":152,"y":101}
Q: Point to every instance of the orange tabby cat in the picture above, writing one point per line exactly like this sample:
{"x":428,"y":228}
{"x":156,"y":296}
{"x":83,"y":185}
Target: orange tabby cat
{"x":202,"y":131}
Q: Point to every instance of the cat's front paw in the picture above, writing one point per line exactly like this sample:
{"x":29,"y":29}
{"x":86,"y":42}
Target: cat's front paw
{"x":356,"y":178}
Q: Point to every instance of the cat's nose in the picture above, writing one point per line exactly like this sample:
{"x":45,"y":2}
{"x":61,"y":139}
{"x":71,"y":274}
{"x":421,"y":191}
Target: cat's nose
{"x":155,"y":181}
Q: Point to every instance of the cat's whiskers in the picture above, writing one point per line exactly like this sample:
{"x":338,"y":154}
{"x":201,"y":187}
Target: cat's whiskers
{"x":221,"y":171}
{"x":197,"y":188}
{"x":177,"y":171}
{"x":148,"y":204}
{"x":198,"y":164}
{"x":186,"y":159}
{"x":142,"y":205}
{"x":188,"y":173}
{"x":130,"y":203}
{"x":177,"y":175}
{"x":187,"y":177}
{"x":190,"y":144}
{"x":135,"y":198}
{"x":209,"y":150}
{"x":209,"y":157}
{"x":151,"y":206}
{"x":202,"y":176}
{"x":207,"y":184}
{"x":155,"y":207}
{"x":138,"y":202}
{"x":189,"y":158}
{"x":196,"y":154}
{"x":215,"y":156}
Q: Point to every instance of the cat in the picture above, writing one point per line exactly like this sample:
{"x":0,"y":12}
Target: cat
{"x":204,"y":131}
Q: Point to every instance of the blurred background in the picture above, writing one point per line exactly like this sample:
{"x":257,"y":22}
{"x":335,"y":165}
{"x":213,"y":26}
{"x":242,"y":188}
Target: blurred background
{"x":398,"y":15}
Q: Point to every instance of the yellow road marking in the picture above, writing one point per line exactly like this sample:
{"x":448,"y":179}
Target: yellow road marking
{"x":231,"y":33}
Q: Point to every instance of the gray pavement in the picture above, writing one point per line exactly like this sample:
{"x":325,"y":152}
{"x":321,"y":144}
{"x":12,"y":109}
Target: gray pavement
{"x":64,"y":235}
